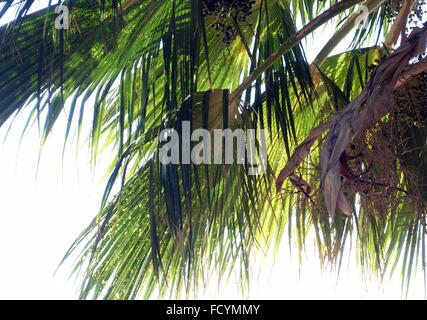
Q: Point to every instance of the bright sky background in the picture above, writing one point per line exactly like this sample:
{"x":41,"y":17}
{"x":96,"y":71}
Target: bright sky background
{"x":41,"y":216}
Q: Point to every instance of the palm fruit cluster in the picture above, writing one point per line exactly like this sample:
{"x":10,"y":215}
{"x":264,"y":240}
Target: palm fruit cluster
{"x":225,"y":14}
{"x":411,"y":102}
{"x":415,"y":17}
{"x":391,"y":9}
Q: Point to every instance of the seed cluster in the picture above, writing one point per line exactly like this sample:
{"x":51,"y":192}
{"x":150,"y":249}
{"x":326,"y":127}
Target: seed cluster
{"x":373,"y":164}
{"x":373,"y":157}
{"x":415,"y":17}
{"x":224,"y":12}
{"x":391,"y":9}
{"x":410,"y":104}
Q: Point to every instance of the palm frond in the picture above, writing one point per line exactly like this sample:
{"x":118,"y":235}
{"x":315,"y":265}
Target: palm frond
{"x":140,"y":66}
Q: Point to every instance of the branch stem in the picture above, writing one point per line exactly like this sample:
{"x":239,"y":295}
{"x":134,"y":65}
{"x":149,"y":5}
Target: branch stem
{"x":342,"y":32}
{"x":292,"y":42}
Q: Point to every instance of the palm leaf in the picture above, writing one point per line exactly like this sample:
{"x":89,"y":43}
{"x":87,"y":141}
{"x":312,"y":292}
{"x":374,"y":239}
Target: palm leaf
{"x":138,"y":67}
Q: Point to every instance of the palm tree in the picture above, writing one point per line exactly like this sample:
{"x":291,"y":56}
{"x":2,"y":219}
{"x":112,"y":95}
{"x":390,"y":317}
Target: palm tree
{"x":136,"y":67}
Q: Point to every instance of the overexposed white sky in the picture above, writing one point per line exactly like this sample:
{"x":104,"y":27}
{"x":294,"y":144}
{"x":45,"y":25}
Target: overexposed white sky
{"x":41,"y":216}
